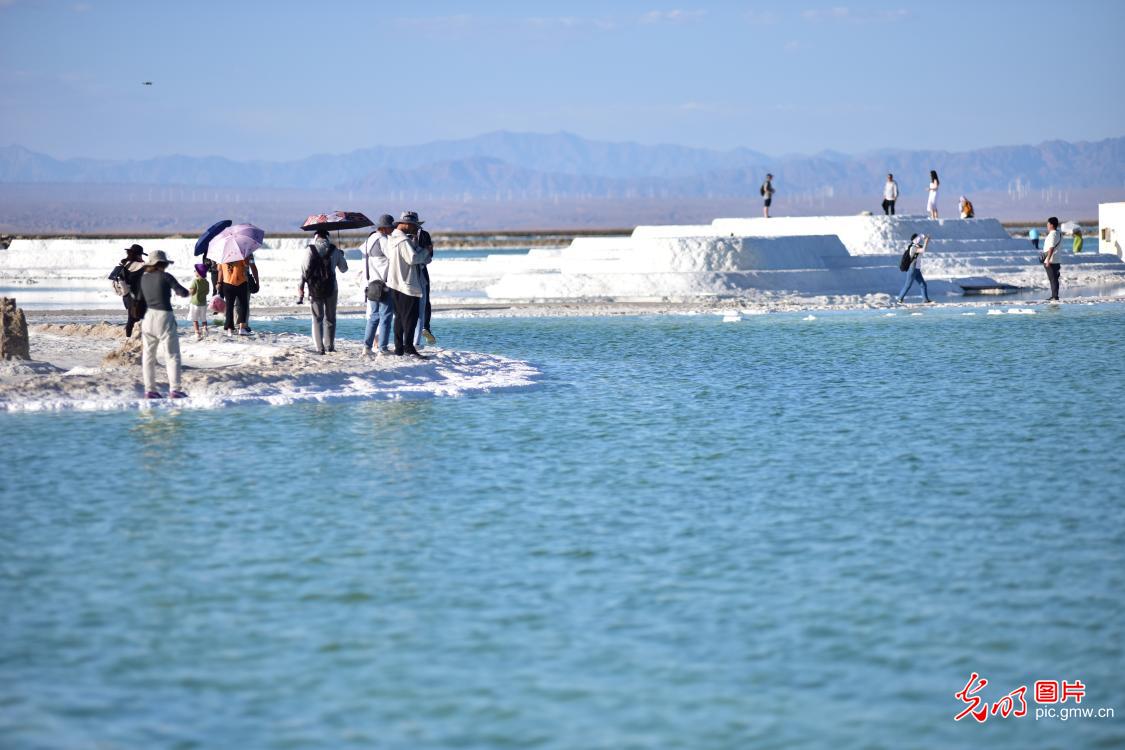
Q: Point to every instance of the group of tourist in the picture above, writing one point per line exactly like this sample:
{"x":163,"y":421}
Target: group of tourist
{"x":395,"y":260}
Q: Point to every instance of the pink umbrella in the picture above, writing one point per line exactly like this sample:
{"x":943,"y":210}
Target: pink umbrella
{"x":236,"y":243}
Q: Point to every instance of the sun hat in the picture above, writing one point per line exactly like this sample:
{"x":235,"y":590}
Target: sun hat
{"x":159,"y":256}
{"x":135,"y":248}
{"x":410,"y":217}
{"x":201,"y":269}
{"x":386,"y":221}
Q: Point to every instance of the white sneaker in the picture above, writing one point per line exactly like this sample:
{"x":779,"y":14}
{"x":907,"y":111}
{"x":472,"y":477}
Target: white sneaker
{"x":228,"y":332}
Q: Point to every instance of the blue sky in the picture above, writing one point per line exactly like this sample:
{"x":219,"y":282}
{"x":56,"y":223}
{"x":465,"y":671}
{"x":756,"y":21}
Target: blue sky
{"x":284,"y":80}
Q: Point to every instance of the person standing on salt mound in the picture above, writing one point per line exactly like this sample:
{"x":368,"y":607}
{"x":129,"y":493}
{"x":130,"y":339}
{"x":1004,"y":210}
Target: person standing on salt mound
{"x":767,"y":195}
{"x":931,"y":203}
{"x":403,"y":258}
{"x":890,"y":195}
{"x":159,"y":325}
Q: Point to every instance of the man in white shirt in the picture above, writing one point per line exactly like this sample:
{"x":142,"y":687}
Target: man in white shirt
{"x":1052,"y":250}
{"x":890,"y":195}
{"x":380,"y":312}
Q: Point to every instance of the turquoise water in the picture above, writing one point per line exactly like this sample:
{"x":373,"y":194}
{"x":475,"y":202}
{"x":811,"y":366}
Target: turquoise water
{"x":772,"y":534}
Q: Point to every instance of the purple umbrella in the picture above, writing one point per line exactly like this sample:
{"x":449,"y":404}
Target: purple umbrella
{"x":236,"y":243}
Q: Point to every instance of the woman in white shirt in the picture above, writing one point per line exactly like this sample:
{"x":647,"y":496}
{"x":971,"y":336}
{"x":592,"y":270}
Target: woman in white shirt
{"x":931,"y":204}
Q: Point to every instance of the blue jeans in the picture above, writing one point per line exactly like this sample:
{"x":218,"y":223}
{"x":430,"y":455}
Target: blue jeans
{"x":379,"y":316}
{"x":915,"y":274}
{"x":424,"y":279}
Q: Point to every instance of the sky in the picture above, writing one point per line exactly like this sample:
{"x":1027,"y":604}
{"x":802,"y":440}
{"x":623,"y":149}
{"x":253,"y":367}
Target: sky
{"x":283,"y":80}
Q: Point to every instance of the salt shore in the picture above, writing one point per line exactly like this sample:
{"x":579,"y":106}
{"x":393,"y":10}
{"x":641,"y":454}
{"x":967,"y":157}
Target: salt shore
{"x":91,"y":367}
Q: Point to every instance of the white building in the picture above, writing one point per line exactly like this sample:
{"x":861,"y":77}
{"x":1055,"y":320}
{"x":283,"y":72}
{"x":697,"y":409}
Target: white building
{"x":1111,"y":229}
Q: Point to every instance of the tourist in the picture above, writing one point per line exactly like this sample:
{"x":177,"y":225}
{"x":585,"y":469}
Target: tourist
{"x":1033,"y":238}
{"x":380,"y":312}
{"x":1052,"y":256}
{"x":425,"y":243}
{"x":1076,"y":243}
{"x":132,"y":269}
{"x":767,"y":195}
{"x":319,"y":272}
{"x":199,"y":290}
{"x":890,"y":195}
{"x":918,"y":244}
{"x":234,"y":281}
{"x":159,"y":325}
{"x":931,"y":203}
{"x":966,"y":208}
{"x":402,"y":277}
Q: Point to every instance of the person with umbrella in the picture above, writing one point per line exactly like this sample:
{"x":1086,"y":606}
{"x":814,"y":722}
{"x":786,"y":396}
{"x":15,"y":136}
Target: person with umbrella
{"x":404,"y":257}
{"x":238,"y":274}
{"x":319,"y":272}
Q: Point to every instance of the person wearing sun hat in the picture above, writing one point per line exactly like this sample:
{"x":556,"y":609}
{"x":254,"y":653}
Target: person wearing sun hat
{"x":158,"y":327}
{"x":132,"y":267}
{"x":404,"y":257}
{"x":380,"y":312}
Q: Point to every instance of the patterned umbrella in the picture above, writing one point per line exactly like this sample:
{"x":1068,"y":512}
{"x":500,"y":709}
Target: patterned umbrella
{"x":236,"y":243}
{"x":336,"y":220}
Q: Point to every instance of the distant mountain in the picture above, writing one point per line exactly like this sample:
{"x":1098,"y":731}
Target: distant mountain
{"x":505,"y":165}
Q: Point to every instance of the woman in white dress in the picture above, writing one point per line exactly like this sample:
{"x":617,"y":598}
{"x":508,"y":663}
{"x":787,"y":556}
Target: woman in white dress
{"x":931,"y":204}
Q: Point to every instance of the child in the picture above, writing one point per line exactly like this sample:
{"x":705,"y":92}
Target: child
{"x":199,"y":290}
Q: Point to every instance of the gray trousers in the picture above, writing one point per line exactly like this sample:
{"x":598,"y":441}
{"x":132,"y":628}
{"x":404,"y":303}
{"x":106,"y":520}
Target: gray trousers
{"x":324,"y":321}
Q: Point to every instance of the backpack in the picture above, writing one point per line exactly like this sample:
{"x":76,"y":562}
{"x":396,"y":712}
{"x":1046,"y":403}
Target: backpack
{"x":906,"y":259}
{"x":120,"y":284}
{"x":762,"y":189}
{"x":321,"y":277}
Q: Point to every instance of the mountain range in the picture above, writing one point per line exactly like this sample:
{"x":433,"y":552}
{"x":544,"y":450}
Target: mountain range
{"x":530,"y":166}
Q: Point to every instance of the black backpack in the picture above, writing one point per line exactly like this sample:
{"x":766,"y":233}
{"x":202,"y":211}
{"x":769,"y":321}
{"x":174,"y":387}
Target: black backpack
{"x":905,"y":261}
{"x":322,"y":278}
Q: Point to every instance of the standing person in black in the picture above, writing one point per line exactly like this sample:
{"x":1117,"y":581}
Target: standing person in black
{"x":132,"y":269}
{"x":424,"y":243}
{"x":403,"y":277}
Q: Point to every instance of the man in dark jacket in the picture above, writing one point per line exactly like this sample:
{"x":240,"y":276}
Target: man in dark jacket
{"x":132,"y":269}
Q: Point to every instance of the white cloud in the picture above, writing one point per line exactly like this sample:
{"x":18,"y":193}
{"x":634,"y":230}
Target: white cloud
{"x":761,"y":17}
{"x":841,"y":13}
{"x":672,"y":16}
{"x":569,"y":23}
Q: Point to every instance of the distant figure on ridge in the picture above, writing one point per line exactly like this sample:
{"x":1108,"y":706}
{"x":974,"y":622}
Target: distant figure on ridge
{"x":1051,"y":256}
{"x":1076,"y":245}
{"x":159,"y":325}
{"x":1033,"y":238}
{"x":966,"y":207}
{"x":767,"y":195}
{"x":931,"y":203}
{"x":890,"y":195}
{"x":912,"y":263}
